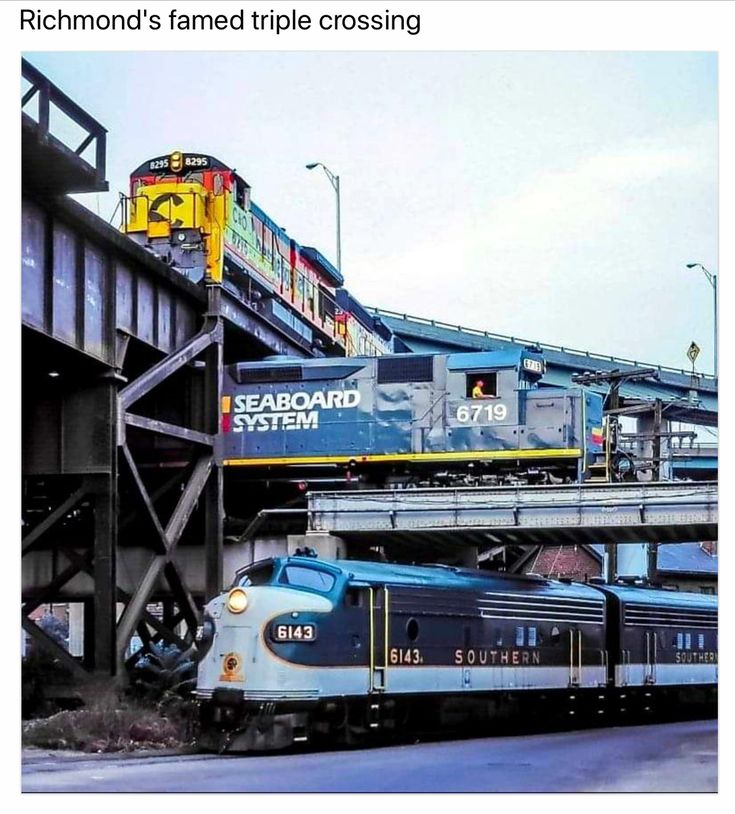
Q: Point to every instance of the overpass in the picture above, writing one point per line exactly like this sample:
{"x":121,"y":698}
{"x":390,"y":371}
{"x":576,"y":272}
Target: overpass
{"x":687,"y":399}
{"x":414,"y":520}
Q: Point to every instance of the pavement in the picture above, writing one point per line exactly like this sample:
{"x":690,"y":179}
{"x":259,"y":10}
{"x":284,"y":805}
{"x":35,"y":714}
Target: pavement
{"x":678,"y":757}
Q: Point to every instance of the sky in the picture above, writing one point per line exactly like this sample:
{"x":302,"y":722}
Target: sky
{"x":554,"y":196}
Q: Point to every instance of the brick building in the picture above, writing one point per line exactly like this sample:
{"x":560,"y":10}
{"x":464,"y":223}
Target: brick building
{"x":684,"y":566}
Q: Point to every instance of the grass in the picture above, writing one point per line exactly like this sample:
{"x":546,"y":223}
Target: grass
{"x":108,"y":724}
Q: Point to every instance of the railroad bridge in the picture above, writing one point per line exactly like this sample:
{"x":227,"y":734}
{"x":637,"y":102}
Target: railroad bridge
{"x":121,"y":380}
{"x":123,"y":492}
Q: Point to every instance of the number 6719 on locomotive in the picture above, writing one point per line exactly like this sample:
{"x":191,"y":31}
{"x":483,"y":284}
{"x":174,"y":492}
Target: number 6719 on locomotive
{"x":464,"y":418}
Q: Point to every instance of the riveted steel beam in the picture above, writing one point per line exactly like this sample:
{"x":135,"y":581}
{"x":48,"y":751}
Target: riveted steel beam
{"x":160,"y":542}
{"x":211,"y":332}
{"x":34,"y":535}
{"x":48,"y":592}
{"x":173,"y":430}
{"x":173,"y":531}
{"x":53,"y":647}
{"x":187,"y":606}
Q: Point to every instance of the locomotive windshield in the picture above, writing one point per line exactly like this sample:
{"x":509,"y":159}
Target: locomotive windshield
{"x":299,"y":576}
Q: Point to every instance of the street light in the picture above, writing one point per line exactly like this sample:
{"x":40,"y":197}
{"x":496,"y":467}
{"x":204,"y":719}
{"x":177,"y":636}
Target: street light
{"x":712,"y":279}
{"x":334,"y":181}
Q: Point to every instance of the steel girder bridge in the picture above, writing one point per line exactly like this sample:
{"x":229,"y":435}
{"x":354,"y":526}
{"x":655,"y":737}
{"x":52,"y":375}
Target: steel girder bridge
{"x":513,"y":522}
{"x":121,"y":382}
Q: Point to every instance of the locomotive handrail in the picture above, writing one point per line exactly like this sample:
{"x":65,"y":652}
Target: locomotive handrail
{"x":441,"y":397}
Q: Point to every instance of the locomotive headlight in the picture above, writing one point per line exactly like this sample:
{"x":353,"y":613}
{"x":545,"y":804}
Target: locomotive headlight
{"x":176,"y":161}
{"x":237,"y":600}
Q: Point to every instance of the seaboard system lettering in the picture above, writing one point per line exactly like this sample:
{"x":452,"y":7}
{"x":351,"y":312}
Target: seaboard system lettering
{"x":264,"y":412}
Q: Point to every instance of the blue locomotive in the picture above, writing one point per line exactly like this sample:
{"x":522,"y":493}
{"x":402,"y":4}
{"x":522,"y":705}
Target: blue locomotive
{"x":465,"y":417}
{"x":301,"y":649}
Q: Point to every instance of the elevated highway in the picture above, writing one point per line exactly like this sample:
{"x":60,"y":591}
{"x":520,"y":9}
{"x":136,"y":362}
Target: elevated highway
{"x":687,"y":399}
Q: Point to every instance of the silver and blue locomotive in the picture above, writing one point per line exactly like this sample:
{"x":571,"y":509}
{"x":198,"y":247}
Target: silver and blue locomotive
{"x":301,"y":649}
{"x":464,"y":417}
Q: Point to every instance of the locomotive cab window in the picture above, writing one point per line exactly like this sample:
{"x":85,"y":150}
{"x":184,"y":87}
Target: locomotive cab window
{"x":258,"y":575}
{"x":311,"y":578}
{"x":240,"y":194}
{"x":482,"y":385}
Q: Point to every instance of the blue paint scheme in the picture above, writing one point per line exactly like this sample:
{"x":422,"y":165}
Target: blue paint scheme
{"x":406,"y":404}
{"x":328,"y":270}
{"x":661,"y":597}
{"x":363,"y":572}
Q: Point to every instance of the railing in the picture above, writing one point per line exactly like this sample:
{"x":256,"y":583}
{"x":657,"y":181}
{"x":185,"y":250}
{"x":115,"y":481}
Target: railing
{"x":695,"y":449}
{"x":49,"y":95}
{"x":433,"y":323}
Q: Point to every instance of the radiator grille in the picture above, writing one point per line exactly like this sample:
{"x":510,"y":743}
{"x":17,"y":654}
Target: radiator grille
{"x":405,"y":369}
{"x":291,"y":373}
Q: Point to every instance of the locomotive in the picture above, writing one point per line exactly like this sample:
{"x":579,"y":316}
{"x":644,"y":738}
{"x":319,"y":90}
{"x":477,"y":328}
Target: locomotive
{"x":410,"y":418}
{"x":196,"y":214}
{"x":301,"y":649}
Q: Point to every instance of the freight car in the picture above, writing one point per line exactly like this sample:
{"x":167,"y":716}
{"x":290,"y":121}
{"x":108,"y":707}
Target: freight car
{"x":435,"y":419}
{"x":195,"y":213}
{"x":301,"y":649}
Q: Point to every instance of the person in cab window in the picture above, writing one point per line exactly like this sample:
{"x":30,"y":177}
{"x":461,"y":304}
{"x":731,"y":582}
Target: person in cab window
{"x":478,"y":391}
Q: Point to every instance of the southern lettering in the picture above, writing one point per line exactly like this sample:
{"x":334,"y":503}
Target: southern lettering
{"x":480,"y":656}
{"x":684,"y":657}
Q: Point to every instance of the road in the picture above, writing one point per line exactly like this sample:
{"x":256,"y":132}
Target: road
{"x":665,"y":757}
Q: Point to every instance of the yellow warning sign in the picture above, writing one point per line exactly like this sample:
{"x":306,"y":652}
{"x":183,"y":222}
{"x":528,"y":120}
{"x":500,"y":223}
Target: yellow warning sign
{"x":693,"y":352}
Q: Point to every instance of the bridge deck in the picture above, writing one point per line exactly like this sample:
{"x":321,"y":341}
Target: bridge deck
{"x":535,"y":515}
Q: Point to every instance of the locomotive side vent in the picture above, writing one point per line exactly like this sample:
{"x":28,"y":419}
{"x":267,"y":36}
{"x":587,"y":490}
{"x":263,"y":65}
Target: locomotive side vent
{"x":394,"y":369}
{"x":291,"y":373}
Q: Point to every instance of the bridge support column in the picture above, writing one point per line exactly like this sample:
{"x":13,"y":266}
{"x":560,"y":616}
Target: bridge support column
{"x":654,"y":444}
{"x":105,"y":579}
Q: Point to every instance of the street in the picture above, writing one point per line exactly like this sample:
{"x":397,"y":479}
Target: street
{"x":660,"y":758}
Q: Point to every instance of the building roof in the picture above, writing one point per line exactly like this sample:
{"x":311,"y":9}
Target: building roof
{"x":686,"y":558}
{"x":677,"y":558}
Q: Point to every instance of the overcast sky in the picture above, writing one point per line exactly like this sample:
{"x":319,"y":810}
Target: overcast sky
{"x":553,"y":196}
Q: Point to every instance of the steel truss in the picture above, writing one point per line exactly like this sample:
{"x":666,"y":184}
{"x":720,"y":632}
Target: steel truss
{"x":200,"y":484}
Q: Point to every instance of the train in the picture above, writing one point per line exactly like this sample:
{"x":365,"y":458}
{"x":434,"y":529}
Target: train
{"x":303,"y":650}
{"x":196,"y":214}
{"x":360,"y":411}
{"x":479,"y":418}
